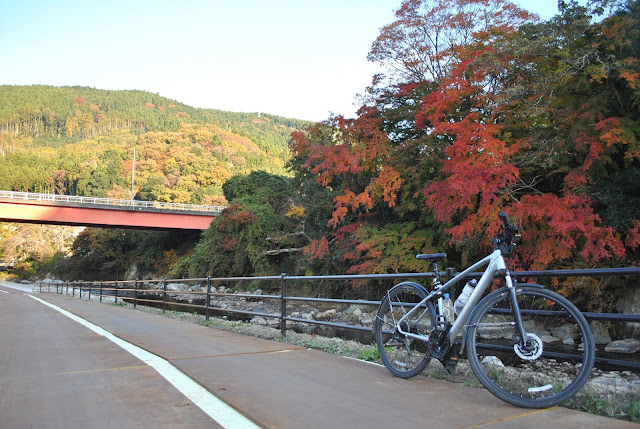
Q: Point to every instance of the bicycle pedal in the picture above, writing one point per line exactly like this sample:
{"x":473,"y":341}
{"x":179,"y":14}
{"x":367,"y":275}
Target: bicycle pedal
{"x":450,"y":364}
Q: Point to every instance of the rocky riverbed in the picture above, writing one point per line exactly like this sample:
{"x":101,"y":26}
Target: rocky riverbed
{"x":356,"y":314}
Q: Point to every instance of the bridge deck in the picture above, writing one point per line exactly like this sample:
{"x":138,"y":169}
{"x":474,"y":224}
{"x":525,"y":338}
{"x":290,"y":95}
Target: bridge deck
{"x":56,"y":373}
{"x":43,"y":212}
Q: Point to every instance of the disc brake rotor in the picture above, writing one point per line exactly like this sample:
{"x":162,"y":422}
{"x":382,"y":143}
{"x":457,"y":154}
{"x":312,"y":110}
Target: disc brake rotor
{"x":533,"y":351}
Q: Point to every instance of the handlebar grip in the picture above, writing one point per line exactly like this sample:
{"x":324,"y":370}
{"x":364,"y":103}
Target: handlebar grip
{"x":504,"y":218}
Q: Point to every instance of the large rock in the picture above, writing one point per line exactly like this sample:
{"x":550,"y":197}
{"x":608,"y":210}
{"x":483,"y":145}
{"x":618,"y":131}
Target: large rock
{"x":600,"y":332}
{"x":629,"y":303}
{"x":327,"y":315}
{"x":628,"y":345}
{"x":179,"y":287}
{"x":566,"y":332}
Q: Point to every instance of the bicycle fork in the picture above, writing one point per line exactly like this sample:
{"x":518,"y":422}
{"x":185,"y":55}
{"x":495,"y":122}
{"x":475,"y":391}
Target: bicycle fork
{"x":496,"y":265}
{"x":523,"y":341}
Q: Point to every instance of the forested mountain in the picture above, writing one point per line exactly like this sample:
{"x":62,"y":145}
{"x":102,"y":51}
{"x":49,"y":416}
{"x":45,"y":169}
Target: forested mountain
{"x":80,"y":141}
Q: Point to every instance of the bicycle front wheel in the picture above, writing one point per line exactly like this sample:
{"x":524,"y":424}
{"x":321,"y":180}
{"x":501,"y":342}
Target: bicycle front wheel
{"x":404,"y":356}
{"x":554,"y":364}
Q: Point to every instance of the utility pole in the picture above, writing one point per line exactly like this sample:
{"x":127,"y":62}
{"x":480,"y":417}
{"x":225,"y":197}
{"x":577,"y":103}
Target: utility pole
{"x":133,"y":173}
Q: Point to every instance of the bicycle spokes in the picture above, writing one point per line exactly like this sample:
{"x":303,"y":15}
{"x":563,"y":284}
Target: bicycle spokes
{"x":403,"y":354}
{"x":545,"y":369}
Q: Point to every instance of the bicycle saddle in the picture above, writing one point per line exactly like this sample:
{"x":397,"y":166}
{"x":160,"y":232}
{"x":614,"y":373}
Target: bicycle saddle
{"x":431,"y":256}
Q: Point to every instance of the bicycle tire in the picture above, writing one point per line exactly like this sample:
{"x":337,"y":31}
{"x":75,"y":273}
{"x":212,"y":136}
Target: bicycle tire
{"x":404,"y":357}
{"x":548,"y":373}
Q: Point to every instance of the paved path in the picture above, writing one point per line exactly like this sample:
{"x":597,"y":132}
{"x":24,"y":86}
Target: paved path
{"x":56,"y":373}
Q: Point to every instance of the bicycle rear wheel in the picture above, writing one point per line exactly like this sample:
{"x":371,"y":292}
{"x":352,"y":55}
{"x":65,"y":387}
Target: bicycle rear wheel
{"x":555,"y":365}
{"x":404,"y":356}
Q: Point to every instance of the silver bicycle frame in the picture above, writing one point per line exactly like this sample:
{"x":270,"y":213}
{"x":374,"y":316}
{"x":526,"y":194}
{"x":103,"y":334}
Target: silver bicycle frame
{"x":495,"y":263}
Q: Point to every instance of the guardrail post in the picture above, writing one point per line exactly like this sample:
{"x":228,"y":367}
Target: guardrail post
{"x":164,"y":295}
{"x":450,"y":275}
{"x":283,"y":304}
{"x":100,"y":291}
{"x":135,"y":293}
{"x":115,"y":292}
{"x":49,"y":287}
{"x":90,"y":285}
{"x":207,"y":301}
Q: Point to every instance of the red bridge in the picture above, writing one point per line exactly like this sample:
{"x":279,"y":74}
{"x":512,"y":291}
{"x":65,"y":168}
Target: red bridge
{"x":24,"y":207}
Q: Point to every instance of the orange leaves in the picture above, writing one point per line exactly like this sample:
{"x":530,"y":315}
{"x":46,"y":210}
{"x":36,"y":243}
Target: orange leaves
{"x":477,"y":164}
{"x":632,"y":239}
{"x":557,"y":228}
{"x":327,"y":160}
{"x":384,"y":186}
{"x":318,"y":249}
{"x":233,"y":217}
{"x":333,"y":161}
{"x":352,"y":156}
{"x":612,"y":132}
{"x":387,"y":184}
{"x":632,"y":78}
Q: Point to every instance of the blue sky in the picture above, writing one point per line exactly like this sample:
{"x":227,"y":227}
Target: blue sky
{"x":296,"y":58}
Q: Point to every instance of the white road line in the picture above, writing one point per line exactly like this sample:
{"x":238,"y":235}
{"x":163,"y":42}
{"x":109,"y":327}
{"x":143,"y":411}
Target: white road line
{"x":4,"y":291}
{"x":364,"y":361}
{"x":218,"y":410}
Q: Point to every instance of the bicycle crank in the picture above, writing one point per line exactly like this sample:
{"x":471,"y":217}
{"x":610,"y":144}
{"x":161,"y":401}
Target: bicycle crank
{"x":439,"y":343}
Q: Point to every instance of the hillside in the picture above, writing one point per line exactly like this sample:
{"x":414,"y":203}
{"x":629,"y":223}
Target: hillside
{"x":77,"y":140}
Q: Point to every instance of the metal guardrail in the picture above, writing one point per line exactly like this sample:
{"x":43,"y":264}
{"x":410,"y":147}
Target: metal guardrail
{"x":129,"y":291}
{"x":133,"y":204}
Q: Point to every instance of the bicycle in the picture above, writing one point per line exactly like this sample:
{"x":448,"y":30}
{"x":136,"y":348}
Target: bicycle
{"x":527,"y":345}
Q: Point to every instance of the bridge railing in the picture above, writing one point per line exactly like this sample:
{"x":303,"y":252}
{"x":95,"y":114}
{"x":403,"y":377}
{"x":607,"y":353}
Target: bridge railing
{"x":72,"y":199}
{"x":158,"y":293}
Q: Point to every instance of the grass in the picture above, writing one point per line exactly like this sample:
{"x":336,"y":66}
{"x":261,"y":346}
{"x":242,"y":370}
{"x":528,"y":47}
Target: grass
{"x":372,"y":354}
{"x":633,"y":411}
{"x":613,"y":405}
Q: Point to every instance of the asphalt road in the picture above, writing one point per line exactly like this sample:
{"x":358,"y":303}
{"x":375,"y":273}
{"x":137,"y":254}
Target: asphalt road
{"x":57,"y":373}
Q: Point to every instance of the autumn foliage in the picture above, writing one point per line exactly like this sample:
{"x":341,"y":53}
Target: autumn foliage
{"x":507,"y":112}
